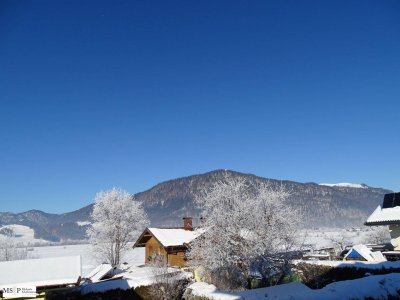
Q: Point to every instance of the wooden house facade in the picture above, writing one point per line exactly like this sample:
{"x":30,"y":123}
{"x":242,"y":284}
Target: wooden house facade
{"x":171,"y":244}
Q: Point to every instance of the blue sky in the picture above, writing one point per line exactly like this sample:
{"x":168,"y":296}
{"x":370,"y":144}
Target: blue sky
{"x":96,"y":94}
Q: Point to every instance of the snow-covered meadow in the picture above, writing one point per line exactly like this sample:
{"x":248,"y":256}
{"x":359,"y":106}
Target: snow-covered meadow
{"x":133,"y":257}
{"x":319,"y":238}
{"x":316,"y":238}
{"x":331,"y":237}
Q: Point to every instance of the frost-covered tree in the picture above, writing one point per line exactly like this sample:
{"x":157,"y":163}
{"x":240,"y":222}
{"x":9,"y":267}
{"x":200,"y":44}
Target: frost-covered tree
{"x":9,"y":249}
{"x":340,"y":241}
{"x":117,"y":220}
{"x":378,"y":235}
{"x":247,"y":228}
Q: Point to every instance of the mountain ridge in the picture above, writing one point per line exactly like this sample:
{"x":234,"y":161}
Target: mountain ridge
{"x":168,"y":201}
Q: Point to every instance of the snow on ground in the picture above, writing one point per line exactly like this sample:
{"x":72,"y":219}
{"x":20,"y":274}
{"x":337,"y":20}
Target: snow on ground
{"x":133,"y":257}
{"x":203,"y":289}
{"x":23,"y":234}
{"x":371,"y":287}
{"x":288,"y":291}
{"x":285,"y":291}
{"x":318,"y":238}
{"x":375,"y":287}
{"x":330,"y":237}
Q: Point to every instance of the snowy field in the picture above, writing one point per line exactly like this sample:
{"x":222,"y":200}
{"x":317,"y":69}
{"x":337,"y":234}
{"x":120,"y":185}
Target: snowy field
{"x":24,"y":237}
{"x":315,"y":239}
{"x":134,"y":257}
{"x":330,"y":237}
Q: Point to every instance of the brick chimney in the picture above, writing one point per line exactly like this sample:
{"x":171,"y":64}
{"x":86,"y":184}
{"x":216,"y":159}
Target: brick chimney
{"x":187,"y":223}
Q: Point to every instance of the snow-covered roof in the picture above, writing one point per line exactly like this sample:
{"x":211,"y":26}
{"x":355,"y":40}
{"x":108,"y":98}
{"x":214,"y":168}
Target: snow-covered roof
{"x":383,"y":216}
{"x":378,"y":256}
{"x":366,"y":253}
{"x":40,"y":272}
{"x":99,"y":272}
{"x":169,"y":237}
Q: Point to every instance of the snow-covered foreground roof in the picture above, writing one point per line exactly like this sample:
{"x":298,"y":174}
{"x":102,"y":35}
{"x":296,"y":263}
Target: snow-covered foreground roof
{"x":174,"y":236}
{"x":384,"y":216}
{"x":40,"y":272}
{"x":374,"y":287}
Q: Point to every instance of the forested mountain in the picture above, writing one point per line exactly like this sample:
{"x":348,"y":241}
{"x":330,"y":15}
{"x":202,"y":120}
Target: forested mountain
{"x":166,"y":203}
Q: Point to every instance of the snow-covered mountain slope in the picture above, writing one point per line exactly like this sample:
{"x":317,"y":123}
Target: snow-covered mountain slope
{"x":83,"y":223}
{"x":20,"y":234}
{"x":167,"y":202}
{"x":346,"y":184}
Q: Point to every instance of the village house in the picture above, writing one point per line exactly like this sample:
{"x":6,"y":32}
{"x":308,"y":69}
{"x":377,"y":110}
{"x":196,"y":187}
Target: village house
{"x":388,"y":214}
{"x":169,"y":243}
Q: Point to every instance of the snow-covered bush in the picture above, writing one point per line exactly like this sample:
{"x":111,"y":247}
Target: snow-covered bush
{"x":248,"y":229}
{"x":117,"y":220}
{"x":168,"y":283}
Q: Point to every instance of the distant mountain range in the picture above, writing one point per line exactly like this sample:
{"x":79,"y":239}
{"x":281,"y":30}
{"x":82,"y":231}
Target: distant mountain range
{"x":322,"y":205}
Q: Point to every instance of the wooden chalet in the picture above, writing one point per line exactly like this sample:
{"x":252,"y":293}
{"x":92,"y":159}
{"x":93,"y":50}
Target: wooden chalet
{"x":388,"y":214}
{"x":169,"y":243}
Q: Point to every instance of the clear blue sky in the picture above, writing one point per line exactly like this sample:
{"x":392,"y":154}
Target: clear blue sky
{"x":96,"y":94}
